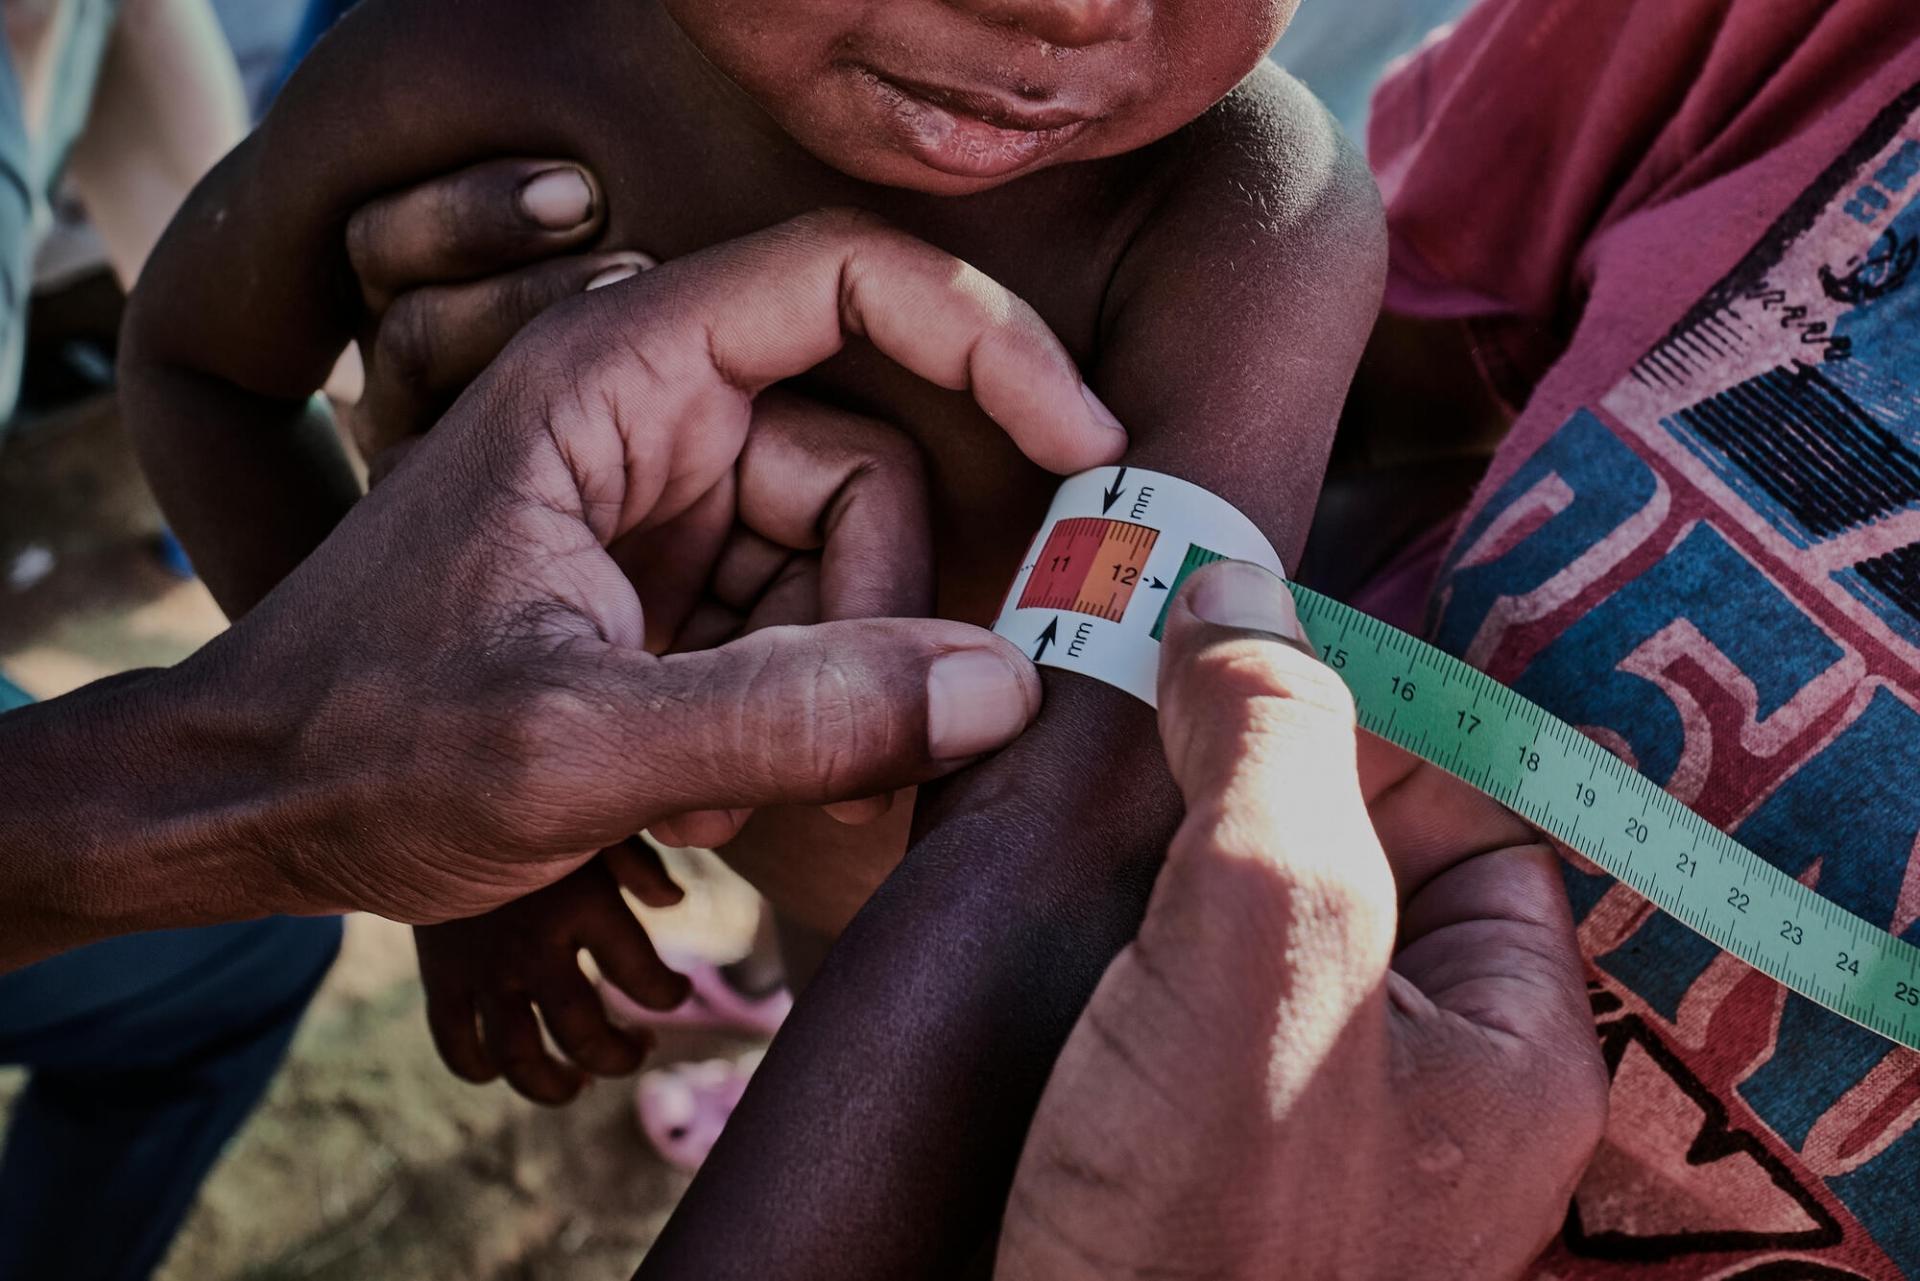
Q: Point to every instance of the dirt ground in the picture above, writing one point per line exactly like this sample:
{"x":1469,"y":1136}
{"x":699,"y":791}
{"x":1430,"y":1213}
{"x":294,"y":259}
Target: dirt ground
{"x":368,"y":1157}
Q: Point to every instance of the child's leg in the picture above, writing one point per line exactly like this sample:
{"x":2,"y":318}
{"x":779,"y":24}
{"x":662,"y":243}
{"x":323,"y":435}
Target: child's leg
{"x":762,"y":969}
{"x":802,"y":952}
{"x":816,"y":872}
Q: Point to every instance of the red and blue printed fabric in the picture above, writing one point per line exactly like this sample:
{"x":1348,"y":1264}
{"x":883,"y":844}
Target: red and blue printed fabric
{"x":1687,"y":237}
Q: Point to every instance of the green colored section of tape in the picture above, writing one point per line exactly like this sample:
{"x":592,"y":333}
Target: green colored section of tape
{"x":1570,"y":787}
{"x":1196,"y":557}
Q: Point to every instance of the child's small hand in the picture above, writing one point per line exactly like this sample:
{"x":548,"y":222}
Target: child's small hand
{"x":486,"y":976}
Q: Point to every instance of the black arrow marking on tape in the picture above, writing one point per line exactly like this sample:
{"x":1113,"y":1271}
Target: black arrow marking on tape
{"x":1047,"y":638}
{"x":1113,"y":494}
{"x":1157,"y":585}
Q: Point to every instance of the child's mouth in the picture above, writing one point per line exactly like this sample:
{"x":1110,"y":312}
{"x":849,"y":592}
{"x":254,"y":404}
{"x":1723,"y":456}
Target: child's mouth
{"x":967,"y":134}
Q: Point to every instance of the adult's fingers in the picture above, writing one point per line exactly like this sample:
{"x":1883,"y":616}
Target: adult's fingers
{"x":475,"y":222}
{"x":672,"y":361}
{"x":799,"y":715}
{"x":1261,"y":739}
{"x":434,"y":340}
{"x":1491,"y":940}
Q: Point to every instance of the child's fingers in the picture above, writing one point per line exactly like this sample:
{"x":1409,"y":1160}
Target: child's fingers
{"x":578,"y":1023}
{"x":452,"y":1015}
{"x":627,"y":959}
{"x":638,"y":867}
{"x":747,"y":565}
{"x":671,"y":564}
{"x":514,"y":1041}
{"x":487,"y":218}
{"x":453,"y":1022}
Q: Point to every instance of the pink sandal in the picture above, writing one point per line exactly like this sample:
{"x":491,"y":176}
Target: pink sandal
{"x":683,"y":1107}
{"x":712,"y":1004}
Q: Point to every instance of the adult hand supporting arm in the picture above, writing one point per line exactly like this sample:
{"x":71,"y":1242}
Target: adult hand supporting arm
{"x":449,"y":704}
{"x":1281,"y":1074}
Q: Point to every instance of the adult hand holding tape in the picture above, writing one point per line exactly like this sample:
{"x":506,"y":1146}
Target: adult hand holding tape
{"x":1351,"y":1038}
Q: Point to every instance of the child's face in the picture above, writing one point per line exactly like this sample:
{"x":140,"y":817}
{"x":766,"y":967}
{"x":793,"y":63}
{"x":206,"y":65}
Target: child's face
{"x":953,"y":96}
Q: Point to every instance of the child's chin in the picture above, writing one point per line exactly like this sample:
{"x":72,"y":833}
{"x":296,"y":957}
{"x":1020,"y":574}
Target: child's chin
{"x":887,"y":166}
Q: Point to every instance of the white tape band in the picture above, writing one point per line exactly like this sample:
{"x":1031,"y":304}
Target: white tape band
{"x":1093,"y":591}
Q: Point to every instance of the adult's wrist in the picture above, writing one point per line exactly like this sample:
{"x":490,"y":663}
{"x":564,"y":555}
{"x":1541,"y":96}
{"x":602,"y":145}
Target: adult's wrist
{"x":139,"y":802}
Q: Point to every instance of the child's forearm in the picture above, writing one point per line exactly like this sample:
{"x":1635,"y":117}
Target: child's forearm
{"x":251,"y":484}
{"x":883,"y":1128}
{"x":880,"y":1136}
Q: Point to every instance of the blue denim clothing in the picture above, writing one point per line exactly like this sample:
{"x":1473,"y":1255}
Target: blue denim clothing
{"x":147,"y":1053}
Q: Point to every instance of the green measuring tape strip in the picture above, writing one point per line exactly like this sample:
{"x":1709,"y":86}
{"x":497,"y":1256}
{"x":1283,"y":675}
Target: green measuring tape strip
{"x":1584,"y":796}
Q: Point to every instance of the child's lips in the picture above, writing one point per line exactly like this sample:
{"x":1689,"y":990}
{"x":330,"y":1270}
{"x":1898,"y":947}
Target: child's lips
{"x":971,"y":134}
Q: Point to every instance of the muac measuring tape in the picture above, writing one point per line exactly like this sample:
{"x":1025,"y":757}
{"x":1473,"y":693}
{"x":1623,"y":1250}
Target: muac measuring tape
{"x":1092,"y":597}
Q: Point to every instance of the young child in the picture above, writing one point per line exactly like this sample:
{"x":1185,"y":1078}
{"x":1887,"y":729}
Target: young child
{"x":1185,"y":217}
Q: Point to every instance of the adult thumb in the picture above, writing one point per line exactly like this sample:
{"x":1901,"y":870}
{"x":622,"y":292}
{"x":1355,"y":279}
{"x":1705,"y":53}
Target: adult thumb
{"x":801,"y":715}
{"x":1261,"y":738}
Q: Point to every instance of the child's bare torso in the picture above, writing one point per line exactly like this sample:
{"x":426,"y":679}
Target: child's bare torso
{"x":684,"y":165}
{"x":1215,"y":286}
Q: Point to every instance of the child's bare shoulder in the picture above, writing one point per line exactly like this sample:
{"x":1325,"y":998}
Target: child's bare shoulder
{"x":1238,"y":312}
{"x":258,"y":246}
{"x":1262,"y":188}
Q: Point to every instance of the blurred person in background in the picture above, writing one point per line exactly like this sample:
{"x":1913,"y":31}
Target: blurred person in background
{"x":145,"y":1053}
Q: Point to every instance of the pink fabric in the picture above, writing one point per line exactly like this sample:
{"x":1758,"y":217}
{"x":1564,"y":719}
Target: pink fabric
{"x":1686,"y":234}
{"x":1543,"y":138}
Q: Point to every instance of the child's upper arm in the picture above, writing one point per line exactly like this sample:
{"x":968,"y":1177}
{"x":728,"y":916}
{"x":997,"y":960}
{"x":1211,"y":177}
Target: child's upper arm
{"x":250,"y":296}
{"x":1238,"y":313}
{"x":252,"y":282}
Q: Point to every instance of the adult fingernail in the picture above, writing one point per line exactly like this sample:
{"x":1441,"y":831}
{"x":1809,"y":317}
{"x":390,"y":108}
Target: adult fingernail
{"x":975,"y":703}
{"x":613,"y":276}
{"x":1237,"y":593}
{"x":1101,"y":414}
{"x":559,"y":199}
